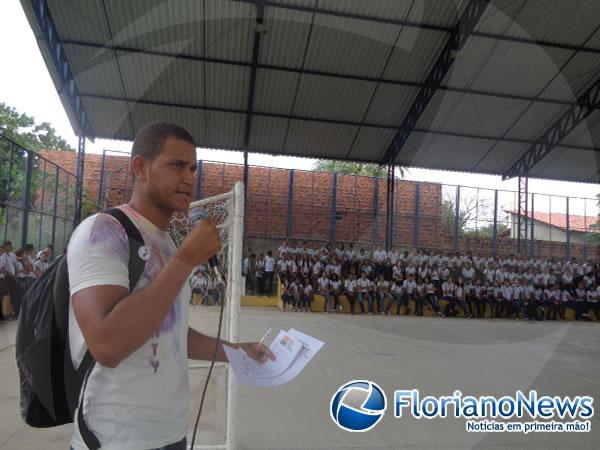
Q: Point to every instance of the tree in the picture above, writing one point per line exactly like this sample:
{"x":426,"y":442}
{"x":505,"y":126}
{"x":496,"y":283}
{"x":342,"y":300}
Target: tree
{"x":353,"y":168}
{"x":593,"y":237}
{"x":23,"y":129}
{"x":470,"y":209}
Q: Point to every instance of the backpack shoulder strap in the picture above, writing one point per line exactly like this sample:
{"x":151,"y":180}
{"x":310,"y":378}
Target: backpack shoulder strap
{"x":136,"y":268}
{"x":136,"y":263}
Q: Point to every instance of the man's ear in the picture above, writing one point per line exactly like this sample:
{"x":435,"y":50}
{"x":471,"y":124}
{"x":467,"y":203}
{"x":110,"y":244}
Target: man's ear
{"x":138,"y":167}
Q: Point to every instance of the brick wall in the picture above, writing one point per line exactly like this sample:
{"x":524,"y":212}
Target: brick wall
{"x":311,"y":211}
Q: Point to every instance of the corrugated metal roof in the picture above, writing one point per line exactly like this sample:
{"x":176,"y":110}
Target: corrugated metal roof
{"x":332,"y":141}
{"x":371,"y":141}
{"x":285,"y":42}
{"x":354,"y":46}
{"x":172,"y":26}
{"x":520,"y":68}
{"x":322,"y":97}
{"x":276,"y":91}
{"x":365,"y":72}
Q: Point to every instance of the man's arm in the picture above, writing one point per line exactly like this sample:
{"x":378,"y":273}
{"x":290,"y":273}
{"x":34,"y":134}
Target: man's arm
{"x":115,"y":323}
{"x":202,"y":347}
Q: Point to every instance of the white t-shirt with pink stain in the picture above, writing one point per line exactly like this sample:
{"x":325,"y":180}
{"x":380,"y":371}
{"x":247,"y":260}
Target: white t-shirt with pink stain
{"x":144,"y":402}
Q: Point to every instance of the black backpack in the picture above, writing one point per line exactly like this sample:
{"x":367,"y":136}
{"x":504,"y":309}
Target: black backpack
{"x":49,"y":383}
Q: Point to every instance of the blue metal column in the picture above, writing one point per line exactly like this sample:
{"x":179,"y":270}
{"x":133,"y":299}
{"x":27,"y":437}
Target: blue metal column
{"x":495,"y":235}
{"x":245,"y":179}
{"x":375,"y":210}
{"x":417,"y":215}
{"x":457,"y":219}
{"x":26,"y":198}
{"x":8,"y":184}
{"x":199,"y":180}
{"x":289,"y":208}
{"x":39,"y":240}
{"x":392,"y":203}
{"x":532,"y":233}
{"x":568,"y":244}
{"x":333,"y":208}
{"x":79,"y":180}
{"x":101,"y":180}
{"x":55,"y":205}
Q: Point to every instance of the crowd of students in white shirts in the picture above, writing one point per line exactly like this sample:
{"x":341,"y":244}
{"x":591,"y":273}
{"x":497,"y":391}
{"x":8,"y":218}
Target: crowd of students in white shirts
{"x":512,"y":287}
{"x":18,"y":271}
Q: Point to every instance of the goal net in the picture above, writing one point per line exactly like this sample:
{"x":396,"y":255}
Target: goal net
{"x":216,"y":426}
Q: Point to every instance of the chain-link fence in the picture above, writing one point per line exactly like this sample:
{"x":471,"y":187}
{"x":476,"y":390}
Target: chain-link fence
{"x":322,"y":207}
{"x":37,"y":198}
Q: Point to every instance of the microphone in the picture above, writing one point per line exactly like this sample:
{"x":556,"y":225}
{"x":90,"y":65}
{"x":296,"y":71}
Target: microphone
{"x":196,"y":215}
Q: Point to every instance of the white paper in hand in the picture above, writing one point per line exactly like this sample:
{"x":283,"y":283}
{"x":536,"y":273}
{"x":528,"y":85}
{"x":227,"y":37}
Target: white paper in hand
{"x":293,"y":351}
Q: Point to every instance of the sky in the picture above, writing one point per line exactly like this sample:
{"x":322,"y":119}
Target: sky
{"x":26,"y":85}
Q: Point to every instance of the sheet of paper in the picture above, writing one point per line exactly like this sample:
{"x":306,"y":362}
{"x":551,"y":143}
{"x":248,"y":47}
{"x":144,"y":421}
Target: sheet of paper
{"x":285,"y":348}
{"x":304,"y":348}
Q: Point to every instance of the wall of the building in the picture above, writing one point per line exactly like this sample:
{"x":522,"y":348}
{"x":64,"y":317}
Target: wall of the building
{"x":544,"y":232}
{"x":266,"y":222}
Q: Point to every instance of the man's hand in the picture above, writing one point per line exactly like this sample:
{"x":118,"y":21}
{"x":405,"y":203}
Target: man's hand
{"x":200,"y":245}
{"x":257,"y":351}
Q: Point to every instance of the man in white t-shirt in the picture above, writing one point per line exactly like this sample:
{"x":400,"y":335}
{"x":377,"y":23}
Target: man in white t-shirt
{"x":137,"y":394}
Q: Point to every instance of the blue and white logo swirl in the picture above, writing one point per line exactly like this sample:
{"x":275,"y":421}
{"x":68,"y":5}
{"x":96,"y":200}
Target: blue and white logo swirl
{"x":358,"y":406}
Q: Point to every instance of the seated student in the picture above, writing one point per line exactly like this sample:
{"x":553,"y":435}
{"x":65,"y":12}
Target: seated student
{"x":397,"y":271}
{"x":552,"y":301}
{"x":527,"y":297}
{"x":518,"y":299}
{"x":409,"y":288}
{"x":593,"y":295}
{"x":499,"y":304}
{"x":382,"y":290}
{"x":578,"y":302}
{"x":431,"y":296}
{"x":307,"y":296}
{"x":489,"y":290}
{"x":477,"y":299}
{"x":290,"y":295}
{"x":396,"y":291}
{"x":566,"y":299}
{"x":323,"y":288}
{"x":469,"y":300}
{"x":350,"y":292}
{"x":335,"y":290}
{"x":538,"y":308}
{"x":459,"y":298}
{"x":419,"y":298}
{"x":448,"y":288}
{"x":364,"y":291}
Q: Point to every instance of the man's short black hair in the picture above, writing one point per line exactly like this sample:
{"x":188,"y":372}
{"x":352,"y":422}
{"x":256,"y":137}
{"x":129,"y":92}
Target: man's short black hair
{"x":150,"y":138}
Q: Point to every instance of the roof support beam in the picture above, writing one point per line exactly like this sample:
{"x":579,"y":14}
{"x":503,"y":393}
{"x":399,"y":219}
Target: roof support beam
{"x":61,"y":65}
{"x":555,"y":134}
{"x":467,"y":22}
{"x":304,"y":71}
{"x":320,"y":120}
{"x":258,"y":32}
{"x":424,"y":26}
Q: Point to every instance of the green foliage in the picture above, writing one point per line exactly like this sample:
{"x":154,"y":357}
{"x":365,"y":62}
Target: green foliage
{"x":353,"y":168}
{"x":487,"y":231}
{"x":24,"y":130}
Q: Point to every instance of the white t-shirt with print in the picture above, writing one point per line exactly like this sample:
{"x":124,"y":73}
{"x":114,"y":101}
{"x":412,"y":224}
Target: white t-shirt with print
{"x":144,"y":402}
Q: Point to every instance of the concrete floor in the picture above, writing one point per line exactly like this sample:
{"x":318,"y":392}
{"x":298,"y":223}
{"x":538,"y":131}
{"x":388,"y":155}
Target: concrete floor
{"x":434,"y":355}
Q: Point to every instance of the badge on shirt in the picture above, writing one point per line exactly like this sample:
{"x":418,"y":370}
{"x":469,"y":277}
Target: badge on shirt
{"x":145,"y":252}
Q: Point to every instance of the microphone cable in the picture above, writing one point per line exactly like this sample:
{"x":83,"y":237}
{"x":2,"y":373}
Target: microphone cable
{"x":214,"y":358}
